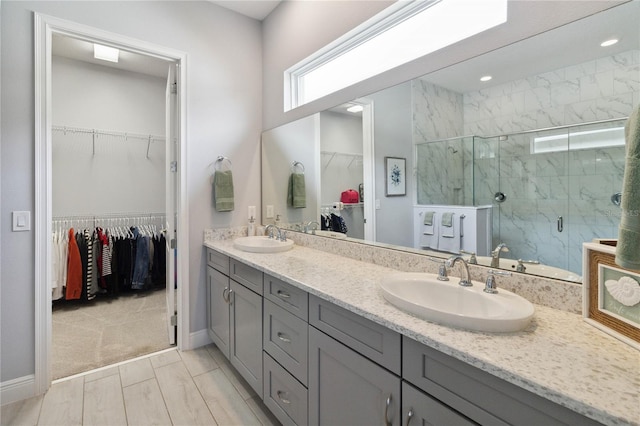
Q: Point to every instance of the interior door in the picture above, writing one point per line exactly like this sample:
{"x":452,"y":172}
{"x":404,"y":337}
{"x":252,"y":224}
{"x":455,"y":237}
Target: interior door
{"x":171,"y":174}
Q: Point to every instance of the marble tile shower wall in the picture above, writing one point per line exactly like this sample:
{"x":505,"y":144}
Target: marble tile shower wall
{"x":443,"y":177}
{"x":574,"y":184}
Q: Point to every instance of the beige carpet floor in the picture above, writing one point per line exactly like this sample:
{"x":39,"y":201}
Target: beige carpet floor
{"x":106,"y":331}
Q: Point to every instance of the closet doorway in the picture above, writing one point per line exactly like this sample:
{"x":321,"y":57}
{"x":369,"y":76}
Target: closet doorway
{"x":108,"y":179}
{"x":112,"y":157}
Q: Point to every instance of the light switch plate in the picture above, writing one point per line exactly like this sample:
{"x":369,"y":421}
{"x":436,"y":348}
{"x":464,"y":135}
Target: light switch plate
{"x":21,"y":221}
{"x":270,"y":212}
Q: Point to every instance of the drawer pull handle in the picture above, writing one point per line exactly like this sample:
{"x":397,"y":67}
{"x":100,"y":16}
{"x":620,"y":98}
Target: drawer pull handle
{"x":386,"y":411}
{"x":283,"y":337}
{"x":282,"y":398}
{"x":283,"y":295}
{"x":225,"y":294}
{"x":409,"y":416}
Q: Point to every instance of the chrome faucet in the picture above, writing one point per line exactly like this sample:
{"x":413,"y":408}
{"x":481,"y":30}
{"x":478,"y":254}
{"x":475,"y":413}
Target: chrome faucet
{"x":268,"y":230}
{"x":490,"y":285}
{"x":451,"y":262}
{"x":442,"y":269}
{"x":309,"y":224}
{"x":473,"y":260}
{"x":495,"y":254}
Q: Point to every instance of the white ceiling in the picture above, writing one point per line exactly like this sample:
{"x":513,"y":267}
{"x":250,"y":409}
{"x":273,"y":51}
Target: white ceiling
{"x":81,"y":50}
{"x":256,"y":9}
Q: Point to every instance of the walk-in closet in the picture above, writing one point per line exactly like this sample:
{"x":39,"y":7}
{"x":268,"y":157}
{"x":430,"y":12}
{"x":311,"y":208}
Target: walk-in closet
{"x":109,"y":259}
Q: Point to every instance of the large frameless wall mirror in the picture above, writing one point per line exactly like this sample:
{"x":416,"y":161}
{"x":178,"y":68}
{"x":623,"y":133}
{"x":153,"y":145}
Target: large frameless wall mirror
{"x":540,"y":147}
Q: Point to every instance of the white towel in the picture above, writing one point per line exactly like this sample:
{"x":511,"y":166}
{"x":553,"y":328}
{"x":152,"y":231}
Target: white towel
{"x":449,"y":239}
{"x":429,"y":235}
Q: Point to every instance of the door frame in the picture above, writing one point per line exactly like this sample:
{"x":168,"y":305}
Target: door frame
{"x":44,"y":28}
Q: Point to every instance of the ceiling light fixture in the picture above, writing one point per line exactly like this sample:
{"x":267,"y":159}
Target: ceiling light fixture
{"x":608,"y":43}
{"x":485,"y":78}
{"x":355,"y":108}
{"x":105,"y":53}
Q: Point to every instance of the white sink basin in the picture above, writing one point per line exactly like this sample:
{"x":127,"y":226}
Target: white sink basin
{"x":447,"y":303}
{"x":262,"y":244}
{"x":331,"y":234}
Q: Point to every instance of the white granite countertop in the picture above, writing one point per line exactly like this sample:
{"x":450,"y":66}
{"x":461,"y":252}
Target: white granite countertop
{"x":559,"y":356}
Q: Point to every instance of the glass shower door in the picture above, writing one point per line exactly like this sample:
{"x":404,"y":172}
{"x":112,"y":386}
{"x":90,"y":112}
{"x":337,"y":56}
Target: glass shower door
{"x":596,"y":169}
{"x":533,"y":177}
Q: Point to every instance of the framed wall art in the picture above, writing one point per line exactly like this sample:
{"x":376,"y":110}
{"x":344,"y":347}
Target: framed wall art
{"x":395,"y":176}
{"x":611,"y":294}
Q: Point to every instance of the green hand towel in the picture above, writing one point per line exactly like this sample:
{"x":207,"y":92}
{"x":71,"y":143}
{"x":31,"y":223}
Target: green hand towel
{"x":447,"y":219}
{"x":428,"y":218}
{"x":296,"y":192}
{"x":223,"y":191}
{"x":628,"y":247}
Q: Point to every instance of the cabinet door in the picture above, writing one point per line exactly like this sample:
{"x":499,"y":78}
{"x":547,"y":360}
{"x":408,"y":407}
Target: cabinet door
{"x":418,"y":408}
{"x":346,"y":388}
{"x":246,"y":335}
{"x":218,"y":309}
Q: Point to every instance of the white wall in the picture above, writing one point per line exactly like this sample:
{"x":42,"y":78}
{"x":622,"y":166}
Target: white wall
{"x":280,"y":148}
{"x":224,"y":88}
{"x":118,"y":177}
{"x":393,"y":138}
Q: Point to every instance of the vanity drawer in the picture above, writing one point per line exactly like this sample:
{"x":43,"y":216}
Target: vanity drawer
{"x":218,"y":261}
{"x":482,"y":397}
{"x":286,"y":340}
{"x":246,"y":275}
{"x":372,"y":340}
{"x":283,"y":394}
{"x":287,"y":296}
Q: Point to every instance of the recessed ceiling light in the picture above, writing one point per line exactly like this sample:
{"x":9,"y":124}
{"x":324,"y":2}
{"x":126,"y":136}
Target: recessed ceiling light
{"x":609,"y":42}
{"x":105,"y":53}
{"x":355,"y":108}
{"x":485,"y":78}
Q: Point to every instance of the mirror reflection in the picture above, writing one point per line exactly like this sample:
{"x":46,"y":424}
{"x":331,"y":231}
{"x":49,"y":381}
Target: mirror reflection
{"x":520,"y":170}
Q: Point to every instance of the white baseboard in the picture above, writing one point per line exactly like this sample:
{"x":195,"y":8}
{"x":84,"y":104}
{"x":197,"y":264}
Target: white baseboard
{"x":199,"y":338}
{"x":18,"y":389}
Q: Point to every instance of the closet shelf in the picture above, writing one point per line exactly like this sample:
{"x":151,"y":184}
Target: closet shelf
{"x":96,"y":133}
{"x":333,"y":154}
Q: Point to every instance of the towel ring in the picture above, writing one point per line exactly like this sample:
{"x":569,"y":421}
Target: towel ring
{"x":220,"y":161}
{"x":296,"y":164}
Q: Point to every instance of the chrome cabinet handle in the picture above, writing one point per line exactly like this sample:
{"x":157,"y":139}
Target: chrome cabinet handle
{"x":281,"y":398}
{"x":560,"y":224}
{"x":283,"y":337}
{"x":409,"y":416}
{"x":281,"y":294}
{"x":225,"y":294}
{"x":230,"y":294}
{"x":386,"y":411}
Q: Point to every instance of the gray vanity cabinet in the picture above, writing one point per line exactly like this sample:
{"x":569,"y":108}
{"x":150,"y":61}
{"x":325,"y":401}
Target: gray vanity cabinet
{"x":477,"y":395}
{"x":234,"y":314}
{"x":217,"y":301}
{"x":418,"y":408}
{"x":286,"y":348}
{"x":245,"y":342}
{"x":345,"y":388}
{"x":354,"y":368}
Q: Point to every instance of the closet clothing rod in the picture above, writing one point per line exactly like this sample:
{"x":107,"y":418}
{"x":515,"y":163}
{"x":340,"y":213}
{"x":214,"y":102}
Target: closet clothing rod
{"x":94,"y":133}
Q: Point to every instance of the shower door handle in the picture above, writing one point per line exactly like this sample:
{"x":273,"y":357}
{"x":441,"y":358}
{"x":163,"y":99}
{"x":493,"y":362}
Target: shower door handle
{"x":560,"y":224}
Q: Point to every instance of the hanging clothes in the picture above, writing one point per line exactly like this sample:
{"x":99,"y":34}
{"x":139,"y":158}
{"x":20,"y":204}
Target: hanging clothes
{"x":74,"y":269}
{"x":141,"y":264}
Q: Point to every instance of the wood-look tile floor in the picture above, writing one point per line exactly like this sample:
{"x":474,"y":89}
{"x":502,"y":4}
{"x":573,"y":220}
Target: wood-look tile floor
{"x":197,"y":387}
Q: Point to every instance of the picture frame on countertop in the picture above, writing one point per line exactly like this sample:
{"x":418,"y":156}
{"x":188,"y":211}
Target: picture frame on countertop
{"x":611,"y":294}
